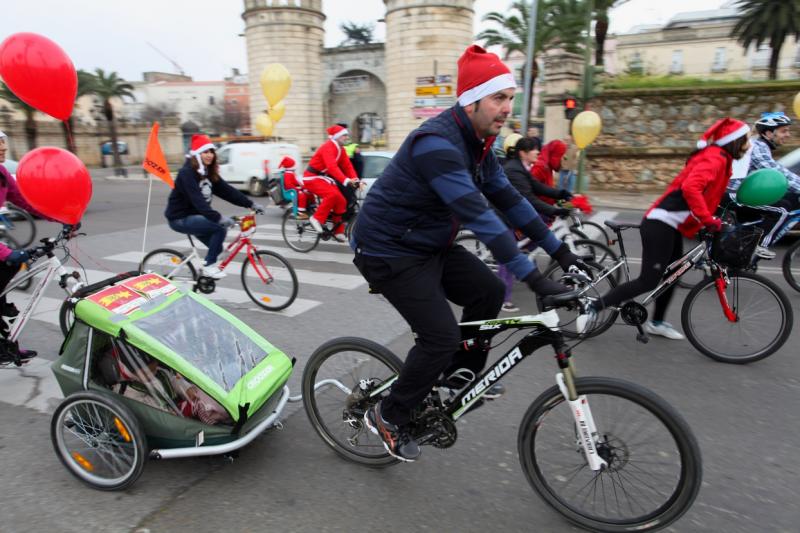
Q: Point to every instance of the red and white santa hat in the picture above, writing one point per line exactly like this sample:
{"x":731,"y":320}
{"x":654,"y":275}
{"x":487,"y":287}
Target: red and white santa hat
{"x":336,"y":131}
{"x":200,"y":143}
{"x":481,"y":73}
{"x":286,"y":162}
{"x":723,"y":131}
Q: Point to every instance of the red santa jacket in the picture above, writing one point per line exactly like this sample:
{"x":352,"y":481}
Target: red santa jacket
{"x":289,"y":178}
{"x":549,"y":161}
{"x":331,"y":160}
{"x":693,"y":196}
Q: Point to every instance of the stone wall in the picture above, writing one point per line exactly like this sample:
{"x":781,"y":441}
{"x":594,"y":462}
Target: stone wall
{"x":648,"y":133}
{"x":89,"y":138}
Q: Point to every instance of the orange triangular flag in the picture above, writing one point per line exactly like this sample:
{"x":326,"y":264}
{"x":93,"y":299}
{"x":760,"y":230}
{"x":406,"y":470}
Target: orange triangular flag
{"x":154,"y":161}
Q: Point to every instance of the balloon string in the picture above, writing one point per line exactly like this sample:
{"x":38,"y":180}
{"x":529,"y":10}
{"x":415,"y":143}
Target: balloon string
{"x":70,"y":137}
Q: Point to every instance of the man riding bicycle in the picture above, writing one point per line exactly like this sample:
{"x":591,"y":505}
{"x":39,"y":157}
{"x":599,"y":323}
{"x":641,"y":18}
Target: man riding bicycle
{"x":445,"y":175}
{"x":773,"y":131}
{"x":330,"y":176}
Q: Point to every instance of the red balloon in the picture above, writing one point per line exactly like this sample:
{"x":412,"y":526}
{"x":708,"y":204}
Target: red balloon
{"x":55,"y":182}
{"x":40,"y":73}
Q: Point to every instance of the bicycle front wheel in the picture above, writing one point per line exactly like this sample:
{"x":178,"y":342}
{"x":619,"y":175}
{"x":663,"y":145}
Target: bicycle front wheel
{"x":170,"y":264}
{"x":66,"y":316}
{"x":343,"y":378}
{"x":654,"y":466}
{"x":269,"y":280}
{"x":760,"y":322}
{"x":298,"y":234}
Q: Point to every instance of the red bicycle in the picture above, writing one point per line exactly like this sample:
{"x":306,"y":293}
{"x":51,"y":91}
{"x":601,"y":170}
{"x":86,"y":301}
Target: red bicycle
{"x":268,"y":278}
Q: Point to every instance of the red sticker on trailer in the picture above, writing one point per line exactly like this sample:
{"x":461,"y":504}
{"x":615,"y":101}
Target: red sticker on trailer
{"x":118,"y":299}
{"x":151,"y":285}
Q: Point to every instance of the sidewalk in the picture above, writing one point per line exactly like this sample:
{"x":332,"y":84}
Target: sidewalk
{"x":622,"y":199}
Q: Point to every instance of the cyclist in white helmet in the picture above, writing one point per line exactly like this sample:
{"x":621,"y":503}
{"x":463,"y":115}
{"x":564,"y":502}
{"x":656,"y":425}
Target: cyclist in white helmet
{"x":772,"y":131}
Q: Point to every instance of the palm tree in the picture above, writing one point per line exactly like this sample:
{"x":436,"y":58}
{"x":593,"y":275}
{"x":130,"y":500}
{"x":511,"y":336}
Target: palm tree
{"x":107,"y":87}
{"x":30,"y":117}
{"x":601,"y":8}
{"x":559,"y":23}
{"x":85,"y":86}
{"x":357,"y":33}
{"x":762,"y":20}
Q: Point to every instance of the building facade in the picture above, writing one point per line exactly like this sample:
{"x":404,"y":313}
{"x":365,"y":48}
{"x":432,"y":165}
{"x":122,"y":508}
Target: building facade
{"x":699,"y":44}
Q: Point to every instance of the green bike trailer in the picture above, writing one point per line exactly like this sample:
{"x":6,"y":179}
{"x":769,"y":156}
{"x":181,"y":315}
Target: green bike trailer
{"x":149,"y":370}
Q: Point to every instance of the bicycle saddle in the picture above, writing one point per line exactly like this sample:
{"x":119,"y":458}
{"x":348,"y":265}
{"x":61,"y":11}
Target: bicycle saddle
{"x":616,"y":226}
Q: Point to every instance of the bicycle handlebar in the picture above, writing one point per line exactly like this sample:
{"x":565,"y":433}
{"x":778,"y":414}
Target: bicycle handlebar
{"x":563,"y":299}
{"x":49,"y":243}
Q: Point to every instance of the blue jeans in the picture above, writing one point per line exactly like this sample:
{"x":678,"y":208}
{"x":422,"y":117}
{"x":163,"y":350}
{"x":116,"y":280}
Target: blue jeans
{"x":210,"y":233}
{"x":566,"y":179}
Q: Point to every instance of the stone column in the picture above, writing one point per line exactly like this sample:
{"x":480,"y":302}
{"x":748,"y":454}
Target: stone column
{"x":290,"y":33}
{"x":421,"y":35}
{"x":562,"y":74}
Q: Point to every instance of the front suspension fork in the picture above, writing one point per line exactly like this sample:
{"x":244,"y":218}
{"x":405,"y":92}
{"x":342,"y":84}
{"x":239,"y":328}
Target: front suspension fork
{"x":581,"y":413}
{"x":721,"y":282}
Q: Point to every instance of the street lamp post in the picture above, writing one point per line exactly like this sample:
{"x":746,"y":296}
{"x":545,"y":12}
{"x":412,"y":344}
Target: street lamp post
{"x":587,"y":90}
{"x":528,"y":75}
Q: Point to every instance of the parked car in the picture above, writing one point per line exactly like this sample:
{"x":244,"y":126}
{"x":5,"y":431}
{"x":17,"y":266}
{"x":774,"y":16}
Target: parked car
{"x":250,"y":165}
{"x":374,"y":165}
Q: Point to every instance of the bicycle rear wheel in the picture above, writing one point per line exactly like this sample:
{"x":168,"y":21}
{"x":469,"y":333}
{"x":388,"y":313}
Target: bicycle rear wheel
{"x":568,"y":317}
{"x":21,"y":225}
{"x":595,"y":231}
{"x":791,"y":266}
{"x":763,"y":318}
{"x":269,"y":280}
{"x":343,"y":378}
{"x":299,"y":235}
{"x":477,"y":248}
{"x":654,"y":466}
{"x":172,"y":265}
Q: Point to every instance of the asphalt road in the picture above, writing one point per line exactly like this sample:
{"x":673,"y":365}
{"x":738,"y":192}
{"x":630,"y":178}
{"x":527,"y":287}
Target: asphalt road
{"x":746,"y":419}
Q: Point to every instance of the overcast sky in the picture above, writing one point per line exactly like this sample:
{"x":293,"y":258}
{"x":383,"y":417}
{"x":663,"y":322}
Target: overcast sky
{"x":202,"y":35}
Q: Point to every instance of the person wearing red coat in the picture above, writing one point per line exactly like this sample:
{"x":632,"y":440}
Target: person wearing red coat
{"x":686,"y":206}
{"x":328,"y":169}
{"x":549,"y":161}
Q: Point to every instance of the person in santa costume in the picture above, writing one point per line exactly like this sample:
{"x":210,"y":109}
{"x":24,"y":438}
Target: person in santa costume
{"x":687,"y":206}
{"x":446,"y":175}
{"x":189,"y":204}
{"x":290,"y":183}
{"x":327,"y":171}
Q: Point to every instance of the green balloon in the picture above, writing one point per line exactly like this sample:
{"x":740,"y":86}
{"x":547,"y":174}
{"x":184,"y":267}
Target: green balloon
{"x":762,"y":187}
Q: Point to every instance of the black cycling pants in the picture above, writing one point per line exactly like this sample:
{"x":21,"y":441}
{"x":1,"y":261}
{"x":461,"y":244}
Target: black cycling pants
{"x":661,"y":245}
{"x":420,"y":288}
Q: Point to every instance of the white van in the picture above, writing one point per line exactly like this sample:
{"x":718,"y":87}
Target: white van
{"x":248,"y":165}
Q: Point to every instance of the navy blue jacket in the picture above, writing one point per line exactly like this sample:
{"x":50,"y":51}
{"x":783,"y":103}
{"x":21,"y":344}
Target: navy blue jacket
{"x":186,"y":198}
{"x":444,"y":176}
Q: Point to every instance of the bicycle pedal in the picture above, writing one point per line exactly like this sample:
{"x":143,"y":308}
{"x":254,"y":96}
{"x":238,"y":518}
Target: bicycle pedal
{"x":644,"y":338}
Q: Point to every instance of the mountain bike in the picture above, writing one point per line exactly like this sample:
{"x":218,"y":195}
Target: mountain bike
{"x":53,"y":268}
{"x":268,"y":278}
{"x":607,"y":454}
{"x":732,"y":316}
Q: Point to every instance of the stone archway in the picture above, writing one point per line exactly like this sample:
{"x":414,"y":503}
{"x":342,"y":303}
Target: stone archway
{"x":358,"y":98}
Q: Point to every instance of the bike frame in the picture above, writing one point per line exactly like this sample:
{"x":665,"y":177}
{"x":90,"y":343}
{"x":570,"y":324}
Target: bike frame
{"x":51,"y":268}
{"x":543,"y":332}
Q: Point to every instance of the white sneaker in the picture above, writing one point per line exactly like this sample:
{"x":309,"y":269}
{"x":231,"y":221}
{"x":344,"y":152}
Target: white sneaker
{"x":212,"y":271}
{"x":664,"y":329}
{"x":315,"y":224}
{"x":340,"y":237}
{"x":765,"y":253}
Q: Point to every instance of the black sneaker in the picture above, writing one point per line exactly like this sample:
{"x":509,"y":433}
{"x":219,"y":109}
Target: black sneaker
{"x":9,"y":309}
{"x":397,"y":441}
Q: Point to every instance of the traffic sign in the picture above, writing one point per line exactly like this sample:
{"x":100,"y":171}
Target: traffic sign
{"x":446,"y":101}
{"x":435,"y":90}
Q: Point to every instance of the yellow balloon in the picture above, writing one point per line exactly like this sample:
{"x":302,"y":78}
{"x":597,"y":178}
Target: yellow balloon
{"x":275,"y":83}
{"x":585,"y":128}
{"x":276,"y":112}
{"x":264,"y":124}
{"x":796,"y":105}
